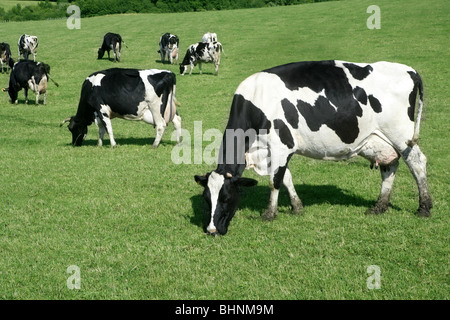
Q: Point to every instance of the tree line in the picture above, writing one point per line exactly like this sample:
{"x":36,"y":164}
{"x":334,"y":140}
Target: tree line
{"x":44,"y":10}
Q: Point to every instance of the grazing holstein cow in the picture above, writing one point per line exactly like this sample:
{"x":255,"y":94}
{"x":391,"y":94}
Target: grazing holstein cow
{"x":168,"y":45}
{"x":330,"y":110}
{"x":200,"y":52}
{"x":28,"y":75}
{"x":28,"y":44}
{"x":209,"y":37}
{"x":130,"y":94}
{"x":111,"y":41}
{"x":5,"y":56}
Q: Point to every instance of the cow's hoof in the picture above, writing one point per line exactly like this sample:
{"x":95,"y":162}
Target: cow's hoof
{"x":378,"y":209}
{"x":423,"y":212}
{"x":269,"y":215}
{"x":296,"y":206}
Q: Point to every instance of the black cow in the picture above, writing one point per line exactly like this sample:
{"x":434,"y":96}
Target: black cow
{"x":330,"y":110}
{"x":168,"y":45}
{"x":28,"y":44}
{"x":111,"y":41}
{"x":5,"y":56}
{"x":28,"y":74}
{"x":130,"y":94}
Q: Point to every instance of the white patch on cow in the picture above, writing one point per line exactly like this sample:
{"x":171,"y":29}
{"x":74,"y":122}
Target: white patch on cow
{"x":96,"y":79}
{"x":215,"y":183}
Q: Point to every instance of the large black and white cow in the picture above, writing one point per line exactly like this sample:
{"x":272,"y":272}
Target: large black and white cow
{"x":28,"y":44}
{"x":5,"y":56}
{"x":111,"y":41}
{"x":31,"y":75}
{"x":330,"y":110}
{"x":201,"y":52}
{"x":130,"y":94}
{"x":168,"y":45}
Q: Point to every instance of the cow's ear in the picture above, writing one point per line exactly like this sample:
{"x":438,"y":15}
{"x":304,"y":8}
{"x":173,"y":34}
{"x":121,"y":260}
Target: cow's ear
{"x":202,"y":180}
{"x":246,"y":182}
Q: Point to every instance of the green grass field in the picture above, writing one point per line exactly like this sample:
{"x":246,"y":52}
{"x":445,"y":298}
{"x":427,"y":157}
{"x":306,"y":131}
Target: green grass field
{"x":130,"y":218}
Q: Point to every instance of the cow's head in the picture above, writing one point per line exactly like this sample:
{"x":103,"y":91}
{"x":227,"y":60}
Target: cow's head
{"x":183,"y":68}
{"x":101,"y":53}
{"x":78,"y":129}
{"x":172,"y":42}
{"x":221,"y":194}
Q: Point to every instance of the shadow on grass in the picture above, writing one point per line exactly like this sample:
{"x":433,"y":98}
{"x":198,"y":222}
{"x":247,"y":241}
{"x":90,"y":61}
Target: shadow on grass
{"x":127,"y":141}
{"x":257,"y":199}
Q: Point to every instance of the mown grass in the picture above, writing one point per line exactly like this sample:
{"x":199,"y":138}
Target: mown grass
{"x":130,"y":218}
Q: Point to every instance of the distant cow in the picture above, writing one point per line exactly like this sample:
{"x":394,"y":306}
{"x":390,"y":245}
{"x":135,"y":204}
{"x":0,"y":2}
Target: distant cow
{"x":209,"y":37}
{"x":28,"y":75}
{"x":169,"y":45}
{"x":330,"y":110}
{"x":28,"y":44}
{"x":130,"y":94}
{"x":5,"y":56}
{"x":201,"y":52}
{"x":111,"y":41}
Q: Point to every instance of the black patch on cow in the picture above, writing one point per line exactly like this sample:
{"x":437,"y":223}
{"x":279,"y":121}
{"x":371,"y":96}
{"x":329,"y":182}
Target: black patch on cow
{"x":284,"y":133}
{"x":163,"y":83}
{"x":375,"y":104}
{"x":246,"y":116}
{"x":413,"y":95}
{"x":290,"y":113}
{"x":121,"y":89}
{"x":338,"y":109}
{"x":360,"y":95}
{"x":359,"y":73}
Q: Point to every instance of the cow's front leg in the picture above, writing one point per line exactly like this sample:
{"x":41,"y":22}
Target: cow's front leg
{"x":275,"y":182}
{"x":26,"y":94}
{"x":101,"y":131}
{"x":387,"y":176}
{"x":37,"y":97}
{"x":106,"y":124}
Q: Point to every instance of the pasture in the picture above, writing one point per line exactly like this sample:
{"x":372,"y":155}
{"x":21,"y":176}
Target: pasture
{"x":131,"y":220}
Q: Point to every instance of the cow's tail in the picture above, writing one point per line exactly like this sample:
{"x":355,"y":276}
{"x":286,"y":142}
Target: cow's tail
{"x":418,"y":86}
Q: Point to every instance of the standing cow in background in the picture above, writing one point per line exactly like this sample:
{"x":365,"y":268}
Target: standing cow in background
{"x":28,"y":44}
{"x":330,"y":110}
{"x":111,"y":41}
{"x":28,"y":75}
{"x":130,"y":94}
{"x":169,"y":45}
{"x":201,"y":52}
{"x":209,"y":37}
{"x":5,"y":56}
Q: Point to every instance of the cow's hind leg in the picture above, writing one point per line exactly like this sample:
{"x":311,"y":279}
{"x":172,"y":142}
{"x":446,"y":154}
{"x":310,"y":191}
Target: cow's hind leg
{"x":296,"y":203}
{"x":177,"y":124}
{"x":417,"y":162}
{"x":387,"y":176}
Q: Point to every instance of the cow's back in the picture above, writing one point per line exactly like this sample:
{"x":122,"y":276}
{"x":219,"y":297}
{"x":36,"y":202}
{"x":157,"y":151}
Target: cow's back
{"x":328,"y":109}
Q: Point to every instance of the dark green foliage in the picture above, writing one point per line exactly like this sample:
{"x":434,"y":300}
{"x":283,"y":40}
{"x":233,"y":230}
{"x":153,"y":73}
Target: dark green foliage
{"x":57,"y":9}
